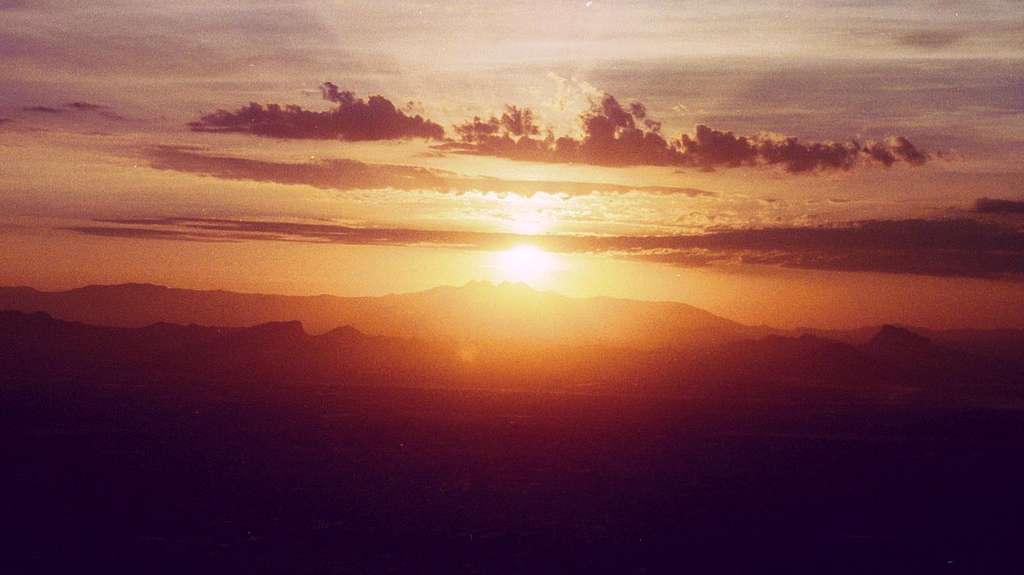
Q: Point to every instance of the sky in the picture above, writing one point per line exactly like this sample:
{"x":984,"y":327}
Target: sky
{"x":830,"y":164}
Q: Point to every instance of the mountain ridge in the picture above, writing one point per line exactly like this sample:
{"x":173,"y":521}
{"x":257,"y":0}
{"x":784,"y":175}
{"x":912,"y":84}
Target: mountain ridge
{"x":37,"y":347}
{"x":475,"y":311}
{"x":478,"y":310}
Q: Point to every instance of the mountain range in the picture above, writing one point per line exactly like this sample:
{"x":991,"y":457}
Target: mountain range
{"x":476,"y":312}
{"x":463,"y":421}
{"x":895,"y":362}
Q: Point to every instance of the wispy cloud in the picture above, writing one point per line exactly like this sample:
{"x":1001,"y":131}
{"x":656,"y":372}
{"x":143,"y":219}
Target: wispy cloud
{"x":354,"y":175}
{"x":42,"y":110}
{"x":77,"y":107}
{"x":86,"y":106}
{"x":931,"y":39}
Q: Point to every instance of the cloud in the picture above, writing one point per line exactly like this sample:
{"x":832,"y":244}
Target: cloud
{"x":613,"y":136}
{"x":85,"y":106}
{"x":88,"y":107}
{"x":16,"y":4}
{"x":327,"y":174}
{"x":712,"y":149}
{"x":155,"y":234}
{"x":894,"y":149}
{"x":218,"y":230}
{"x":612,"y":133}
{"x":354,"y":175}
{"x":42,"y":110}
{"x":106,"y":44}
{"x":930,"y":39}
{"x":956,"y":247}
{"x":995,"y":206}
{"x":946,"y":248}
{"x":76,"y":107}
{"x":354,"y":119}
{"x":5,"y":120}
{"x":617,"y":135}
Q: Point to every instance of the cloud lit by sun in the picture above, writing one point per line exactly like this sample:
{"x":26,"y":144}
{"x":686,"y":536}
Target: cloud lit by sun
{"x":528,"y":227}
{"x":529,"y":215}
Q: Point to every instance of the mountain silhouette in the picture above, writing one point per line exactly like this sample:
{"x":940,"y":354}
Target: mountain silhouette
{"x":37,"y":347}
{"x":476,"y":311}
{"x":893,"y":339}
{"x":247,"y":443}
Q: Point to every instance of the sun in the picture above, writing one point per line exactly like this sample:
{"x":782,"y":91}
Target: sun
{"x":526,"y":263}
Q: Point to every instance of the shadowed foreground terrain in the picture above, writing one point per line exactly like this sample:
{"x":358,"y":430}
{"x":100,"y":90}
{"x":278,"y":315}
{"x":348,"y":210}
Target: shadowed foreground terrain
{"x":172,"y":449}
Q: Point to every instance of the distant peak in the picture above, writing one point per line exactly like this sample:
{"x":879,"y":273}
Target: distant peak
{"x":515,"y":286}
{"x":895,"y":336}
{"x":344,"y":332}
{"x":137,"y":287}
{"x":279,"y":328}
{"x":503,"y":287}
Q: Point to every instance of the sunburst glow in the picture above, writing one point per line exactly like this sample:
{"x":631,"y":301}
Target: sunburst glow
{"x":525,"y":263}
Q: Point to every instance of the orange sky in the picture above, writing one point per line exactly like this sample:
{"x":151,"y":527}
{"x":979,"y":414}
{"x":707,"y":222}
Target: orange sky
{"x":845,"y":175}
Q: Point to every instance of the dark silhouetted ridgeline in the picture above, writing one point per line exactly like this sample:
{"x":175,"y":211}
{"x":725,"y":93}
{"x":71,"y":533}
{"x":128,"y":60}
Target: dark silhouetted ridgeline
{"x":475,"y":311}
{"x":183,"y":448}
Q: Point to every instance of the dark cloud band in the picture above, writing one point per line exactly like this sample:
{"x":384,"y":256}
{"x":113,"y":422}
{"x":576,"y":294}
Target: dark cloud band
{"x":995,"y":206}
{"x":948,"y":248}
